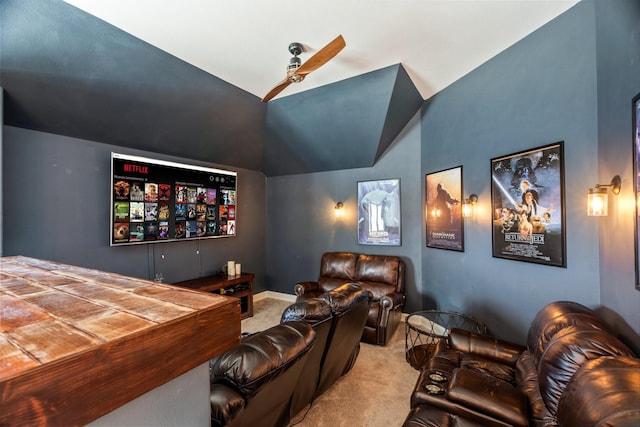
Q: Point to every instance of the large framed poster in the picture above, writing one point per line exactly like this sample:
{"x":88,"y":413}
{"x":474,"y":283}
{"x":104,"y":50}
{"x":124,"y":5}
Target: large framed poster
{"x":636,"y":174}
{"x":379,"y":212}
{"x":443,"y":192}
{"x":158,"y":201}
{"x":527,"y":198}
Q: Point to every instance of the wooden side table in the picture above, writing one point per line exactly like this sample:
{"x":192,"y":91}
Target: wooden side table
{"x":238,"y":286}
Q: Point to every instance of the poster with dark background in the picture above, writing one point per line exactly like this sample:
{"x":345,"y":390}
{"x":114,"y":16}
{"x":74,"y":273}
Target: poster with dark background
{"x":445,"y":228}
{"x":527,"y":198}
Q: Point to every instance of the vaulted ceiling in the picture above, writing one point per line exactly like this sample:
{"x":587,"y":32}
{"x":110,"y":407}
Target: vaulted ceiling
{"x":186,"y":78}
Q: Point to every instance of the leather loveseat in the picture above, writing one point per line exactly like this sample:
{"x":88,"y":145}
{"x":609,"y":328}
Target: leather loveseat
{"x":381,"y":275}
{"x":275,"y":373}
{"x":338,"y":317}
{"x":572,"y":372}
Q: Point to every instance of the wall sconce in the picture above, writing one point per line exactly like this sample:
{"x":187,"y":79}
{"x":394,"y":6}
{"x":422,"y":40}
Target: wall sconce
{"x":339,"y":210}
{"x":598,"y":197}
{"x":468,"y":205}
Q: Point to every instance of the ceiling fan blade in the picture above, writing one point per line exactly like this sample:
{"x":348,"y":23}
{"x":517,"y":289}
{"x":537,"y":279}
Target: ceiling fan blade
{"x":277,"y":89}
{"x":322,"y":56}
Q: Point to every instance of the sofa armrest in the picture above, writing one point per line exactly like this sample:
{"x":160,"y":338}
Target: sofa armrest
{"x":485,"y":346}
{"x":302,"y":287}
{"x":392,"y":300}
{"x":225,"y":404}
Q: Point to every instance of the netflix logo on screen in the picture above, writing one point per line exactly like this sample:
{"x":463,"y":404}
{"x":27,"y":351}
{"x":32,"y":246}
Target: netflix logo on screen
{"x":128,"y":167}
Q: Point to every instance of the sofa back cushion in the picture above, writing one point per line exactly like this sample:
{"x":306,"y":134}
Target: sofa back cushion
{"x":566,"y":352}
{"x":312,"y":311}
{"x":604,"y":391}
{"x":336,"y":269}
{"x":379,"y":274}
{"x":263,"y":356}
{"x":317,"y":313}
{"x":556,"y":316}
{"x":350,"y":305}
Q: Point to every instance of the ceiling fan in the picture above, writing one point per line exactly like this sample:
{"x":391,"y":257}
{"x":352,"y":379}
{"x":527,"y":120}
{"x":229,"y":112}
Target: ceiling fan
{"x":296,"y":72}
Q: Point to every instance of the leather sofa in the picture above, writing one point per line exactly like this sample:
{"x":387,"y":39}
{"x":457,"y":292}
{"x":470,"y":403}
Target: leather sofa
{"x":338,"y":317}
{"x":275,"y":373}
{"x":572,"y":372}
{"x":383,"y":276}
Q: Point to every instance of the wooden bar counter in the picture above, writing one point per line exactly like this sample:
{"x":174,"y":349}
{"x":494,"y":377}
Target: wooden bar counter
{"x":77,"y":343}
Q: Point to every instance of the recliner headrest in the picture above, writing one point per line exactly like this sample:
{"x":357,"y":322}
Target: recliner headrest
{"x":342,"y":298}
{"x":262,"y":356}
{"x":311,"y":311}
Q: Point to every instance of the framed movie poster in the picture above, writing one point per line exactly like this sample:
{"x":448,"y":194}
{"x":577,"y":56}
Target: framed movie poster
{"x":527,"y":198}
{"x":636,"y":172}
{"x":379,"y":212}
{"x":443,"y":193}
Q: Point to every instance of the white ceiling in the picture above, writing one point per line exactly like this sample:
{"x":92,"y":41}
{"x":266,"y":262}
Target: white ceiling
{"x":245,"y":42}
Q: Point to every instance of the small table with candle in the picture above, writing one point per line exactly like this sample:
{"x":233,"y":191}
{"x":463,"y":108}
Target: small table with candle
{"x":238,"y":286}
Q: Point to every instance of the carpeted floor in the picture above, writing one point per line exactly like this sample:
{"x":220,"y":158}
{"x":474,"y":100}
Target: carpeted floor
{"x":375,"y":393}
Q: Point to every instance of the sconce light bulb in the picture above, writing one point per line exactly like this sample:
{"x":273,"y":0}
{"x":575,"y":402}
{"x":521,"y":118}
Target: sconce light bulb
{"x":597,"y":201}
{"x":468,"y":205}
{"x":466,"y":209}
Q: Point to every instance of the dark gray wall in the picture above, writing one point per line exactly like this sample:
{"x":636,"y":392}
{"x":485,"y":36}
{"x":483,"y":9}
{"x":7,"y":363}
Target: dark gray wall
{"x":70,"y":73}
{"x":56,"y":206}
{"x":542,"y":90}
{"x":618,"y":47}
{"x":344,"y":125}
{"x":302,"y":224}
{"x":1,"y":150}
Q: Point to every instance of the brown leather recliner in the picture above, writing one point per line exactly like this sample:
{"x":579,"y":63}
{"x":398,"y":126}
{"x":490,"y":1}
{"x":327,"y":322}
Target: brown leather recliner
{"x":496,"y":383}
{"x":338,"y":317}
{"x":381,"y":275}
{"x":252,"y":383}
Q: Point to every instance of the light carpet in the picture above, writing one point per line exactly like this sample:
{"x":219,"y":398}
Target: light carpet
{"x":375,"y":393}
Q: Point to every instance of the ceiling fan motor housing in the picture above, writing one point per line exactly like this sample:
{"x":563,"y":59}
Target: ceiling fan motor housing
{"x":294,"y":64}
{"x":296,"y":48}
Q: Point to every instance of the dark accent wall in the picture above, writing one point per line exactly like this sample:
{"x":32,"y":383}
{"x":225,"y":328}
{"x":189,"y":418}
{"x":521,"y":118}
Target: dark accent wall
{"x":344,"y":125}
{"x":544,"y":89}
{"x":56,"y":206}
{"x":70,"y":73}
{"x":301,"y":224}
{"x":618,"y":48}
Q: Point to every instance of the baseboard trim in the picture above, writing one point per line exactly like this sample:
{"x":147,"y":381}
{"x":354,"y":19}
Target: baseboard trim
{"x":275,"y":295}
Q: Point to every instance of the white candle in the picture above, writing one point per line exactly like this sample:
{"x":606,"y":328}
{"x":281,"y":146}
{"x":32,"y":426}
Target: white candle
{"x":238,"y":269}
{"x":231,"y":268}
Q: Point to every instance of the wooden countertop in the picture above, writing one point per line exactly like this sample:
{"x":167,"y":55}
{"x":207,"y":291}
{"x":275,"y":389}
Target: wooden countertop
{"x":77,"y":343}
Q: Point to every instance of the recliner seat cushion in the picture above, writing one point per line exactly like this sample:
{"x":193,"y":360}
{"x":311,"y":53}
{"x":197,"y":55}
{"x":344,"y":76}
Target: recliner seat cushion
{"x":489,"y":395}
